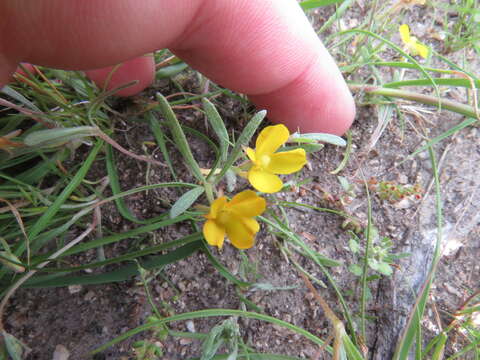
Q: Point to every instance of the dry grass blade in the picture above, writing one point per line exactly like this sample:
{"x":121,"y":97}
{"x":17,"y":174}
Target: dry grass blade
{"x":120,"y":148}
{"x":15,"y":213}
{"x":33,"y":115}
{"x":338,"y":328}
{"x":6,"y":143}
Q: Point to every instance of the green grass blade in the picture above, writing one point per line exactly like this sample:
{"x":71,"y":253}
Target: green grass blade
{"x":313,"y":4}
{"x":114,"y":183}
{"x":406,"y":65}
{"x":253,"y":356}
{"x":124,"y":273}
{"x":222,"y":269}
{"x":44,"y":220}
{"x":438,"y":81}
{"x":465,"y":123}
{"x":368,"y":248}
{"x":400,"y":51}
{"x":472,"y":346}
{"x":440,"y":347}
{"x":214,"y":313}
{"x":338,"y":14}
{"x":129,"y":256}
{"x":123,"y":235}
{"x":405,"y":343}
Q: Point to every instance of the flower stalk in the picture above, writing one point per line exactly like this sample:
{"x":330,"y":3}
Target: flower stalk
{"x":441,"y":103}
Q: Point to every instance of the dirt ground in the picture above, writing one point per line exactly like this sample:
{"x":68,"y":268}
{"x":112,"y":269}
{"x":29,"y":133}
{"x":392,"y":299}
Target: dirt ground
{"x":82,"y":318}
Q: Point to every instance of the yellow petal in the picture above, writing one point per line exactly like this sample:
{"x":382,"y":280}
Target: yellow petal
{"x":264,"y":181}
{"x":287,"y":162}
{"x":270,"y":139}
{"x":251,"y":224}
{"x":421,"y":49}
{"x":251,"y":154}
{"x":404,"y":33}
{"x":240,"y":233}
{"x":247,"y":204}
{"x":216,"y":207}
{"x":213,"y":233}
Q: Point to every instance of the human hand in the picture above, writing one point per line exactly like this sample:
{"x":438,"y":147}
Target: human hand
{"x":263,"y":48}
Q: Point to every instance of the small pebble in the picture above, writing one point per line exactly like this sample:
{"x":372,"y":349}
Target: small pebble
{"x":190,"y":326}
{"x":61,"y":353}
{"x":185,"y":341}
{"x":74,"y":289}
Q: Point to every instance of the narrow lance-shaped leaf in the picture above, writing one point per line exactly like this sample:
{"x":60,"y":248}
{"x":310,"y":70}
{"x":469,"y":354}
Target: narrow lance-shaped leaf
{"x":58,"y":136}
{"x":179,"y":136}
{"x":243,"y":140}
{"x":218,"y":126}
{"x":317,"y":137}
{"x":185,"y":201}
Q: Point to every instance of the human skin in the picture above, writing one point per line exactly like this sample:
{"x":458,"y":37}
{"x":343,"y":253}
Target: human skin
{"x":263,"y":48}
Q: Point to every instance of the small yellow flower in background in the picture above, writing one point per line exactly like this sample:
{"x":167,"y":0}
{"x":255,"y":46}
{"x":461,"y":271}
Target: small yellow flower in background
{"x":267,"y":162}
{"x":234,"y":218}
{"x":414,"y":47}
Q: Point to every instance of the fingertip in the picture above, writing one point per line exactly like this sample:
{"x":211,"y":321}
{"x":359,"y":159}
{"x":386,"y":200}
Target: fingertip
{"x":317,"y":101}
{"x":141,"y":69}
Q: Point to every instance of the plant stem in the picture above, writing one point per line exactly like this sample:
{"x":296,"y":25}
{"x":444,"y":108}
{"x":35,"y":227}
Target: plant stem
{"x":209,"y":191}
{"x":451,"y":105}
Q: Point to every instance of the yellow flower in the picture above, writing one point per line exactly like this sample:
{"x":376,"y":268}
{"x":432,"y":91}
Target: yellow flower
{"x":267,"y":163}
{"x":413,"y":46}
{"x":234,"y":218}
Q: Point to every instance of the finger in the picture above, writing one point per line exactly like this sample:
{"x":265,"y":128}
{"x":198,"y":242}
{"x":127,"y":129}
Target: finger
{"x":264,"y":48}
{"x":141,"y":69}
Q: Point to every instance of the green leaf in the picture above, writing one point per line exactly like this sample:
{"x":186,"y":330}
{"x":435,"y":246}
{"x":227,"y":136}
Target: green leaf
{"x":231,"y":178}
{"x":344,"y":183}
{"x":355,"y":269}
{"x":384,"y":269}
{"x":373,"y":263}
{"x":243,"y":140}
{"x":218,"y":126}
{"x":58,"y":136}
{"x":170,"y":71}
{"x":354,"y":246}
{"x":14,"y":346}
{"x":308,"y":147}
{"x":185,"y":201}
{"x":325,"y":261}
{"x":313,"y":4}
{"x":318,"y":137}
{"x":179,"y":137}
{"x":7,"y":90}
